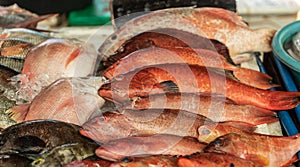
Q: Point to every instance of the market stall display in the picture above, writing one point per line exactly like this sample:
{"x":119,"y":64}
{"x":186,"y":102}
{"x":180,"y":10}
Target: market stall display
{"x":159,"y":91}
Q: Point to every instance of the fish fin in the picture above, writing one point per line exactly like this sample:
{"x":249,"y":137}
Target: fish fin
{"x":185,"y":162}
{"x":73,"y":56}
{"x":241,"y":58}
{"x":223,"y":14}
{"x":262,"y":116}
{"x":264,"y":39}
{"x":16,"y":50}
{"x":3,"y":36}
{"x":259,"y":159}
{"x":254,"y":78}
{"x":18,"y":113}
{"x":169,"y":86}
{"x":280,"y":100}
{"x":294,"y":159}
{"x":241,"y":126}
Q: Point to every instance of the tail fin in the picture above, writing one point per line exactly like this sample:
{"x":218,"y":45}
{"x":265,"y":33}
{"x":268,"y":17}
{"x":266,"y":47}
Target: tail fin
{"x":279,"y":100}
{"x":18,"y":113}
{"x":264,"y":39}
{"x":254,"y":78}
{"x":261,"y":116}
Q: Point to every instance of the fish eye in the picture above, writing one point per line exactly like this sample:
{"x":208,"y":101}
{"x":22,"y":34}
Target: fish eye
{"x":114,"y":37}
{"x":119,"y":77}
{"x":126,"y":160}
{"x":38,"y":161}
{"x":219,"y":143}
{"x":102,"y":119}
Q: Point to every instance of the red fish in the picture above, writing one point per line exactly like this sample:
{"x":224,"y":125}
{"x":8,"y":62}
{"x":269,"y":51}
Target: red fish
{"x":214,"y":160}
{"x":192,"y":79}
{"x":52,"y":60}
{"x":16,"y":42}
{"x":116,"y":125}
{"x":71,"y":100}
{"x":213,"y":23}
{"x":166,"y":38}
{"x":265,"y":150}
{"x":218,"y":109}
{"x":147,"y":161}
{"x":201,"y":57}
{"x":149,"y":145}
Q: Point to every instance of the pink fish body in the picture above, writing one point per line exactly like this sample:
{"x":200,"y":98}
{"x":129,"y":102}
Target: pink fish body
{"x":201,"y":57}
{"x":71,"y":100}
{"x":126,"y":123}
{"x":214,"y":160}
{"x":218,"y":109}
{"x":149,"y":145}
{"x":54,"y":59}
{"x":185,"y":78}
{"x":213,"y":23}
{"x":266,"y":150}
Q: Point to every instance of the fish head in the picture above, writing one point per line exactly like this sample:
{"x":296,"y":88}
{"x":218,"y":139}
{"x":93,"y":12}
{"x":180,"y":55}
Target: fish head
{"x":229,"y":143}
{"x":106,"y":127}
{"x":112,"y":94}
{"x":119,"y":88}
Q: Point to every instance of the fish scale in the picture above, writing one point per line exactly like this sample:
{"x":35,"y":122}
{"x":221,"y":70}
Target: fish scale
{"x":216,"y":108}
{"x":196,"y":80}
{"x":266,"y":150}
{"x":195,"y":20}
{"x":125,"y":123}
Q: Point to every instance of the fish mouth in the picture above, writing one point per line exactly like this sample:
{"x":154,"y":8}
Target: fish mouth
{"x":113,"y":94}
{"x":105,"y":91}
{"x":85,"y":132}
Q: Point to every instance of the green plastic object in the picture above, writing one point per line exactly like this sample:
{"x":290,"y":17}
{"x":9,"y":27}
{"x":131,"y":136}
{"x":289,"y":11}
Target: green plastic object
{"x":96,"y":14}
{"x":282,"y":36}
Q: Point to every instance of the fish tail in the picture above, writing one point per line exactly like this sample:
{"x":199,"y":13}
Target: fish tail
{"x":262,"y":116}
{"x":264,"y":39}
{"x":254,"y":78}
{"x":279,"y":100}
{"x":267,"y":99}
{"x":185,"y":162}
{"x":18,"y":113}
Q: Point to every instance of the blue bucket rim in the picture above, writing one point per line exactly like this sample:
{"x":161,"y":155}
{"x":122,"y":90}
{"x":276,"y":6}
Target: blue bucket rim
{"x":280,"y":37}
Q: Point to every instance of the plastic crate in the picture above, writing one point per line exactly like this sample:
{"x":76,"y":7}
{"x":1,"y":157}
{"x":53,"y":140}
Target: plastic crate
{"x":96,"y":14}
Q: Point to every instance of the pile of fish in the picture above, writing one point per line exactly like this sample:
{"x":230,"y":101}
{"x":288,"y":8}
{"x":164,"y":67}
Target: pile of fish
{"x":166,"y":89}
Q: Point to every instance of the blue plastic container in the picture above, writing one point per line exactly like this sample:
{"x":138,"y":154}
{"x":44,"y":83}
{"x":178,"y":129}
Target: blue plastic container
{"x":281,"y":37}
